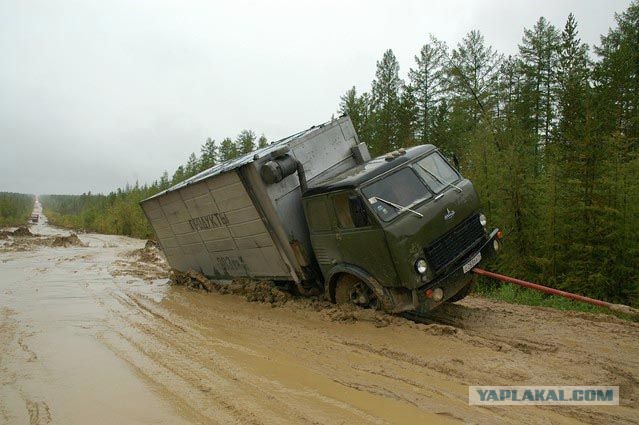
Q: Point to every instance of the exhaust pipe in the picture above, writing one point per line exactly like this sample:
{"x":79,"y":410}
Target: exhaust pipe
{"x":301,"y":175}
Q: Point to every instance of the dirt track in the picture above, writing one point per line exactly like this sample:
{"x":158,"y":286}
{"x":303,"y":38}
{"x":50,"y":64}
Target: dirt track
{"x":94,"y":334}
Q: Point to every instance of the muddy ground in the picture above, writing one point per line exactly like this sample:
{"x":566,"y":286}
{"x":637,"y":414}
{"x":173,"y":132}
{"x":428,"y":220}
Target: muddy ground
{"x":92,"y":332}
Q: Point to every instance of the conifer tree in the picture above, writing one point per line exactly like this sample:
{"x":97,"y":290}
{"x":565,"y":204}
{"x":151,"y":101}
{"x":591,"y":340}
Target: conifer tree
{"x":385,"y":105}
{"x":358,"y":109}
{"x":179,"y":175}
{"x":208,"y":154}
{"x":164,"y":182}
{"x":578,"y":154}
{"x":428,"y":81}
{"x":262,"y":142}
{"x":616,"y":78}
{"x":245,"y":142}
{"x":473,"y":76}
{"x":539,"y":52}
{"x":228,"y":150}
{"x":192,"y":165}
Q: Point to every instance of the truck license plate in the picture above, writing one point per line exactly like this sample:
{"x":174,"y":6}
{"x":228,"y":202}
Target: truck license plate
{"x":472,"y":263}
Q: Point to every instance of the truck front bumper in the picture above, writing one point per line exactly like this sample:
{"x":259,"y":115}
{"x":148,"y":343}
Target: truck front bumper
{"x":456,"y":279}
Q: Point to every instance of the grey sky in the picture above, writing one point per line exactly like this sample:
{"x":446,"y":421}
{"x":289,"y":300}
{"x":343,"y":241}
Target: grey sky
{"x":95,"y":94}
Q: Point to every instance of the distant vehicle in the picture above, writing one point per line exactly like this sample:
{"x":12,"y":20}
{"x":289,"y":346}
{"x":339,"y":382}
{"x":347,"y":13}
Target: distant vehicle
{"x":34,"y":218}
{"x":400,"y":232}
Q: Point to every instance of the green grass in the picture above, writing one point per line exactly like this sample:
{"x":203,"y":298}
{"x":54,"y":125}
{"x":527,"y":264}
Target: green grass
{"x":116,"y":213}
{"x":15,"y":208}
{"x":514,"y":294}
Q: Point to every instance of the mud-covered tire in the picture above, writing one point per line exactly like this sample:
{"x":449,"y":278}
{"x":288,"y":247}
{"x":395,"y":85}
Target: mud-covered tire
{"x":463,"y":293}
{"x":351,"y":290}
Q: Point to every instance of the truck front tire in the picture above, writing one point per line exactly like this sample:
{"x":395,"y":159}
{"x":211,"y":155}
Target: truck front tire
{"x":351,"y":290}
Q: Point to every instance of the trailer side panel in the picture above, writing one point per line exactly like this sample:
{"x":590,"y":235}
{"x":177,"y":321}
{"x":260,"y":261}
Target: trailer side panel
{"x":213,"y":227}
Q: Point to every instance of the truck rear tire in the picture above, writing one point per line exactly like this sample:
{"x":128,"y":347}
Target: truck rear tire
{"x":351,"y":290}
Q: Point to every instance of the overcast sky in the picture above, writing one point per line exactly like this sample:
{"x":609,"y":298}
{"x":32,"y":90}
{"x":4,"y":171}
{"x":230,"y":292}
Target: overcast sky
{"x":95,"y":94}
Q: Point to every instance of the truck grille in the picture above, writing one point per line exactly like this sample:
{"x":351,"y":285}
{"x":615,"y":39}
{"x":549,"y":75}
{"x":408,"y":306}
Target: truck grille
{"x":454,"y":244}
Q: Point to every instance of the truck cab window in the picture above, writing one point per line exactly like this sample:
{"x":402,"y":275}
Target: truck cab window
{"x":389,"y":195}
{"x":342,"y":210}
{"x":318,"y":217}
{"x":436,"y":172}
{"x":350,"y":211}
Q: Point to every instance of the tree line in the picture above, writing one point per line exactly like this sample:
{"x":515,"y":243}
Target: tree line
{"x":211,"y":154}
{"x":119,"y":211}
{"x":15,"y":208}
{"x":549,"y":137}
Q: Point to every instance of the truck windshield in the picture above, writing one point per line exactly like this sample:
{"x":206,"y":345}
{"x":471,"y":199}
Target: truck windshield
{"x":436,"y":172}
{"x":402,"y":188}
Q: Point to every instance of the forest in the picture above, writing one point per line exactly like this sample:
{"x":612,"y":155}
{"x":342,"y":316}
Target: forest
{"x":549,"y":137}
{"x":15,"y":208}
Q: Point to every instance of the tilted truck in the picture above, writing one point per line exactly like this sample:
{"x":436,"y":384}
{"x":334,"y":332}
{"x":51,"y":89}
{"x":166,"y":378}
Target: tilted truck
{"x":400,"y":232}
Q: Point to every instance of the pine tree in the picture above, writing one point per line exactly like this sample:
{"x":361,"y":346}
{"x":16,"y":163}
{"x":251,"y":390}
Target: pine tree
{"x":517,"y":205}
{"x":178,"y":176}
{"x":618,"y":73}
{"x":164,"y":182}
{"x":428,"y":81}
{"x":262,"y":142}
{"x":208,"y":154}
{"x":385,"y":105}
{"x":407,"y":116}
{"x":245,"y":142}
{"x":473,"y":76}
{"x":228,"y":150}
{"x":192,"y":165}
{"x":539,"y":55}
{"x":442,"y":132}
{"x":358,"y":109}
{"x":579,"y":225}
{"x":617,"y":100}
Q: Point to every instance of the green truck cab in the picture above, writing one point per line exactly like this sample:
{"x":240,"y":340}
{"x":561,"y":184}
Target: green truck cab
{"x":400,"y":232}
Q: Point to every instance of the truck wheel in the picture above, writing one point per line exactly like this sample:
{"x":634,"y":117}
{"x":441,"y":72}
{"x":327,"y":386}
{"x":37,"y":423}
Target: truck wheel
{"x":351,"y":290}
{"x":463,"y":292}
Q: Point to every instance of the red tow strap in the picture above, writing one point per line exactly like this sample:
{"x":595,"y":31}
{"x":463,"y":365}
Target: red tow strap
{"x":542,"y":288}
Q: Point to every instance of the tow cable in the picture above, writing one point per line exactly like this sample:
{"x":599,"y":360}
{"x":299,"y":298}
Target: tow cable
{"x":621,"y":308}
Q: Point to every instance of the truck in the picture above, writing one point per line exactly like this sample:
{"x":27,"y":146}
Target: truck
{"x":400,"y":232}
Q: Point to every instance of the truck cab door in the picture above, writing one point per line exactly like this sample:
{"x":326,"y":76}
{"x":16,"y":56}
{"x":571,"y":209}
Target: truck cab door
{"x":359,"y":239}
{"x":321,"y":224}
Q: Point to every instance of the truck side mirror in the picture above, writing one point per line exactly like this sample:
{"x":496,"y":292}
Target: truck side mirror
{"x":456,"y":161}
{"x":358,"y":211}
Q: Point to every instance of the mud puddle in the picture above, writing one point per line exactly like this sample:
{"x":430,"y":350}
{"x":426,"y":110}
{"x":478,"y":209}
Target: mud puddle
{"x":96,"y":333}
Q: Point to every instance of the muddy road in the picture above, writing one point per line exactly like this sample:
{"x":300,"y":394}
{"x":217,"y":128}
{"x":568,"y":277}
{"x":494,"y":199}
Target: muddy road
{"x":91,"y":332}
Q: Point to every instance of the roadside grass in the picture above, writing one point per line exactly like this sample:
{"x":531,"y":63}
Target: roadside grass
{"x":514,"y":294}
{"x":121,"y":218}
{"x":15,"y":208}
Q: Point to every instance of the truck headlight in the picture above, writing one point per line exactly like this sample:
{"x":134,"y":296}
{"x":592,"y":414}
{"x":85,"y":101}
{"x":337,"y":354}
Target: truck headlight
{"x":421,"y":266}
{"x":482,"y":220}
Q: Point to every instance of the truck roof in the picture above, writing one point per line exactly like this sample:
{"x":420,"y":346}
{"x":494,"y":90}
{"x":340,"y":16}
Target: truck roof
{"x":244,"y":159}
{"x":355,"y":176}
